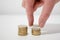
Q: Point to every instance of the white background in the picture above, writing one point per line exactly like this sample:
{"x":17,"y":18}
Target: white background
{"x":15,"y":7}
{"x":13,"y":14}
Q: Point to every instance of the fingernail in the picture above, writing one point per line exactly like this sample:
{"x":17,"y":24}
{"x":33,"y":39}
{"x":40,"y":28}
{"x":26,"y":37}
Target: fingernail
{"x":30,"y":24}
{"x":41,"y":26}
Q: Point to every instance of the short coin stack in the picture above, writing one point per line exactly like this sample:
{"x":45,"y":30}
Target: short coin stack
{"x":22,"y":30}
{"x":36,"y":30}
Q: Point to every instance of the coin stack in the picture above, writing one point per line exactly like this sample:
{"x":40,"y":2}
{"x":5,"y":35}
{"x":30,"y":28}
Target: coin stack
{"x":36,"y":30}
{"x":22,"y":30}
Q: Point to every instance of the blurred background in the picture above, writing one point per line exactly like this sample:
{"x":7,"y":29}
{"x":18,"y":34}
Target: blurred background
{"x":14,"y":7}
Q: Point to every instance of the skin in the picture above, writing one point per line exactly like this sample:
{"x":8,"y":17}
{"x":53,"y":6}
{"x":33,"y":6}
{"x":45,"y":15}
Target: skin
{"x":32,"y":5}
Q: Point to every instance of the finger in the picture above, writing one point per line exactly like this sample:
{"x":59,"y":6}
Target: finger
{"x":29,"y":9}
{"x":47,"y":8}
{"x":23,"y":3}
{"x":38,"y":5}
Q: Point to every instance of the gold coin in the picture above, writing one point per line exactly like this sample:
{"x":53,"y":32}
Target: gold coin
{"x":22,"y":30}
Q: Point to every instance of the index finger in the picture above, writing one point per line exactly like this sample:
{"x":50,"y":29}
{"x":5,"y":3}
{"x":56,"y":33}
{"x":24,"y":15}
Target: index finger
{"x":29,"y":10}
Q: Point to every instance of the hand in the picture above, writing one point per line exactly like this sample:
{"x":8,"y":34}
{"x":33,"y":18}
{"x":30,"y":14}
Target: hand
{"x":32,"y":5}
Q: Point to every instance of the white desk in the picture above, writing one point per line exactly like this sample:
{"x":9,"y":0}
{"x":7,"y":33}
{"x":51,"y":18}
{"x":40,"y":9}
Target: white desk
{"x":9,"y":28}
